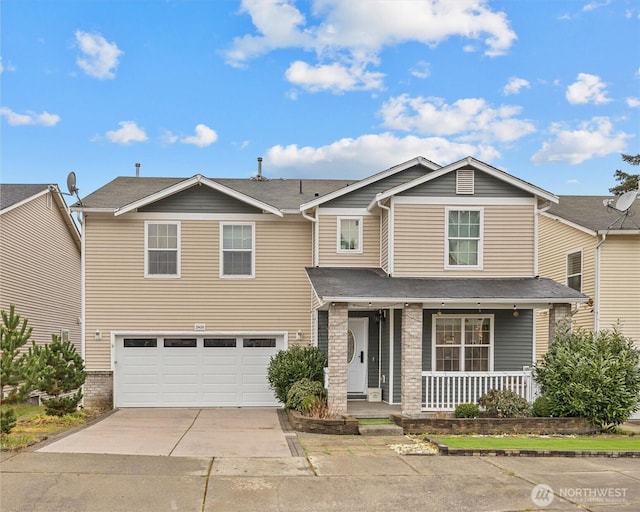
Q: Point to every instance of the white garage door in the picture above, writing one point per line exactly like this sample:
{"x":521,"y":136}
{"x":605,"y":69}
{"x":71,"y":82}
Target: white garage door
{"x":196,"y":371}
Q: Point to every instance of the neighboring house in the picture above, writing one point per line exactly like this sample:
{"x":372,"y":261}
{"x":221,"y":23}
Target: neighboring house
{"x":420,"y":280}
{"x":40,"y":261}
{"x":594,"y":249}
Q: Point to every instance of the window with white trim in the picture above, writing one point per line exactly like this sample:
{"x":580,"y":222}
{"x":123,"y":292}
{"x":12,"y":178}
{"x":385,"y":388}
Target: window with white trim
{"x":463,"y":344}
{"x":162,"y":249}
{"x":350,"y":234}
{"x":236,"y":248}
{"x":464,"y":239}
{"x":574,"y":270}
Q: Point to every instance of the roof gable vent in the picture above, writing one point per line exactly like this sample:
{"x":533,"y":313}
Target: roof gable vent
{"x":464,"y":181}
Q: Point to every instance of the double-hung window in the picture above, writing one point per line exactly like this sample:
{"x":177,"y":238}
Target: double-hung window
{"x":463,"y":239}
{"x":162,"y":249}
{"x":462,"y":344}
{"x":350,"y":234}
{"x":237,"y":255}
{"x":574,"y":270}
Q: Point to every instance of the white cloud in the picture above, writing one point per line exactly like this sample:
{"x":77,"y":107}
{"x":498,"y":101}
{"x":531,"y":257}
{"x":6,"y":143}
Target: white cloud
{"x":99,"y":57}
{"x":587,"y":89}
{"x":30,"y":118}
{"x":515,"y":84}
{"x":592,"y":6}
{"x":470,"y":119}
{"x":354,"y":32}
{"x":332,"y":77}
{"x":128,"y":132}
{"x":594,"y":138}
{"x":421,"y":70}
{"x":357,"y":157}
{"x":203,"y":137}
{"x":633,"y":102}
{"x":6,"y":67}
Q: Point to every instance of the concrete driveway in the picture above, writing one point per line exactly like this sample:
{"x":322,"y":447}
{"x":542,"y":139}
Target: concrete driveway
{"x":217,"y":432}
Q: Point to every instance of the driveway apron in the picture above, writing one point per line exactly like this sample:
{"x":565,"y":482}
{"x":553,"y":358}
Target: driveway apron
{"x":215,"y":432}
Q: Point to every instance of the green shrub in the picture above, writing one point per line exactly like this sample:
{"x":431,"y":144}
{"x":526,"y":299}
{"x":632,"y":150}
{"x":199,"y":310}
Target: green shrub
{"x":592,"y":375}
{"x":504,"y":403}
{"x":58,"y":370}
{"x":300,"y":394}
{"x":467,"y":411}
{"x":7,"y":420}
{"x":289,"y":366}
{"x":540,"y":407}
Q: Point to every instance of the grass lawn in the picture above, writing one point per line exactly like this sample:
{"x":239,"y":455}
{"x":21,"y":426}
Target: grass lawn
{"x":33,"y":425}
{"x":603,"y":442}
{"x":375,"y":421}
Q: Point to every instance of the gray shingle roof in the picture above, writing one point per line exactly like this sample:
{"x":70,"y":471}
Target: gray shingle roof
{"x":12,"y":193}
{"x":367,"y":284}
{"x":281,"y":193}
{"x":591,"y":213}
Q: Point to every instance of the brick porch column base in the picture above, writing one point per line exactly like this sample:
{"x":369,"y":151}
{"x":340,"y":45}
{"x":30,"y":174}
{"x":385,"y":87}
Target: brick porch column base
{"x":559,"y":318}
{"x":411,"y":360}
{"x":338,"y":328}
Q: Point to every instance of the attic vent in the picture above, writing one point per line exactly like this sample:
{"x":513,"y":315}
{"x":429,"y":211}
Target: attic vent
{"x":464,"y":181}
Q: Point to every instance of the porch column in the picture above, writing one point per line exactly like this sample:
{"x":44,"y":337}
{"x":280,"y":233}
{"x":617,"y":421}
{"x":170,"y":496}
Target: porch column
{"x":338,"y":329}
{"x":559,"y":317}
{"x":411,"y":360}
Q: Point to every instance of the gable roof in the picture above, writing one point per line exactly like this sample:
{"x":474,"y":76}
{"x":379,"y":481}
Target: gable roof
{"x":465,"y":162}
{"x":197,"y":180}
{"x":13,"y":195}
{"x":283,"y":194}
{"x":592,"y":213}
{"x":419,"y":160}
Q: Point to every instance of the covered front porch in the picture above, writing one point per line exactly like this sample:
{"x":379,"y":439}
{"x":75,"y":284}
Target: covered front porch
{"x":430,"y":344}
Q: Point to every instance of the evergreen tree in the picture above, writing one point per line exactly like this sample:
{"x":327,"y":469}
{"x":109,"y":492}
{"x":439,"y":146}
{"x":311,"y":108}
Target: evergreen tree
{"x":58,"y":369}
{"x":14,"y":334}
{"x":628,"y":182}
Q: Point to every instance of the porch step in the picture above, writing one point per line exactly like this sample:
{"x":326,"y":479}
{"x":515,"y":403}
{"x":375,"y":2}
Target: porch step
{"x":381,"y":430}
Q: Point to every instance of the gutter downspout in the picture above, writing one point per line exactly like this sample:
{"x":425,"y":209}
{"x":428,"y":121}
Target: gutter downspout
{"x":596,"y":306}
{"x":314,"y":242}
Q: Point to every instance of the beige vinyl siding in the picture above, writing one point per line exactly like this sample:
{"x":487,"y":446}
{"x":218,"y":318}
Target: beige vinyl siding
{"x":40,"y":269}
{"x":120,"y":298}
{"x":419,"y":241}
{"x":620,"y":285}
{"x":556,"y":240}
{"x":384,"y":240}
{"x":329,"y":256}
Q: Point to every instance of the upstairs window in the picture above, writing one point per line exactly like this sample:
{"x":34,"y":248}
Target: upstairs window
{"x":574,"y":270}
{"x":464,"y":239}
{"x":237,"y":258}
{"x":162,"y":247}
{"x":350,"y":234}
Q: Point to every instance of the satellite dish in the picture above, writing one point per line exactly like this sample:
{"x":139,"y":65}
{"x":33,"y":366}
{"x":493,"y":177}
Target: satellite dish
{"x":71,"y":183}
{"x":625,"y":201}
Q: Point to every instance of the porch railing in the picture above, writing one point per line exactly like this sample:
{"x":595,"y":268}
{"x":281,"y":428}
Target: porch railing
{"x":442,"y":391}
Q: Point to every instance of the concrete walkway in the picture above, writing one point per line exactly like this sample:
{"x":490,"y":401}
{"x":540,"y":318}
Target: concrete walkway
{"x":56,"y":482}
{"x":218,"y":432}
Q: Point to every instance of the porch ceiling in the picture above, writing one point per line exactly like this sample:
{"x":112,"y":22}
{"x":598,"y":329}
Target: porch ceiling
{"x":372,"y":285}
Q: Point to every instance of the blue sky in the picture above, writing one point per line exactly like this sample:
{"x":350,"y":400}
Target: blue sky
{"x":548,"y":91}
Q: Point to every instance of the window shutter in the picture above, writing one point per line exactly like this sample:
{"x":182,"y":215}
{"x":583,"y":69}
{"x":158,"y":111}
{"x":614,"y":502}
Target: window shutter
{"x":464,"y":181}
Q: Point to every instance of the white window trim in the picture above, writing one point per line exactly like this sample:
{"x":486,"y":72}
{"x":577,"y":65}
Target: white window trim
{"x":146,"y":250}
{"x":566,"y":268}
{"x":463,"y":345}
{"x":253,"y":251}
{"x":480,"y":264}
{"x":360,"y":236}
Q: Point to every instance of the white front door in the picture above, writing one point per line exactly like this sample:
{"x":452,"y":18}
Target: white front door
{"x":357,"y":355}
